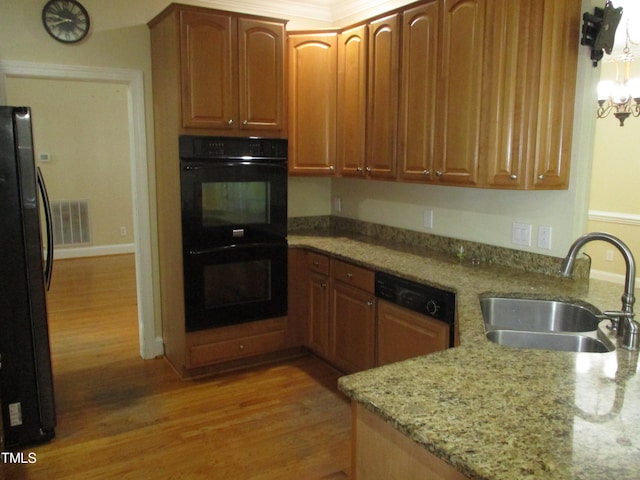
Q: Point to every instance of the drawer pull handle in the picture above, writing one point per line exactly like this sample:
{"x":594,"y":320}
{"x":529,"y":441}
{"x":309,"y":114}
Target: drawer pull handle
{"x":349,"y":275}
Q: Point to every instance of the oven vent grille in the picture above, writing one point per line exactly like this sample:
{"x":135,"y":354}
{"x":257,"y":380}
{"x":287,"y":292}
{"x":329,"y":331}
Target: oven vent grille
{"x":70,"y":220}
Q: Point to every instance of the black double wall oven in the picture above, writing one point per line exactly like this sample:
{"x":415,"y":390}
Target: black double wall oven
{"x":234,"y":227}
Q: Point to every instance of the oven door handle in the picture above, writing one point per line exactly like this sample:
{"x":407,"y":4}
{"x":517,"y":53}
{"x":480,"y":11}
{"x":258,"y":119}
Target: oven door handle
{"x":235,"y":246}
{"x":239,"y":163}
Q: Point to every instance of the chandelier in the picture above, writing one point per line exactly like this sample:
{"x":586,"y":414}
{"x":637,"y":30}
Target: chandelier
{"x":622,"y":96}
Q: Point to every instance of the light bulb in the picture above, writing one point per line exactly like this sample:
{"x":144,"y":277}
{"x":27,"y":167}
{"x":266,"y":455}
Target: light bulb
{"x":604,"y":89}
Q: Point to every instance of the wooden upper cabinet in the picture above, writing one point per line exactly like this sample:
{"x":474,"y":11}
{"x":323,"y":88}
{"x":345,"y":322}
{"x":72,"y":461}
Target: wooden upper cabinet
{"x":560,"y":21}
{"x":460,"y":91}
{"x":418,"y":88}
{"x":261,"y":74}
{"x":382,"y":107}
{"x":352,"y":99}
{"x":209,"y":86}
{"x":530,"y":93}
{"x":313,"y":61}
{"x":232,"y":73}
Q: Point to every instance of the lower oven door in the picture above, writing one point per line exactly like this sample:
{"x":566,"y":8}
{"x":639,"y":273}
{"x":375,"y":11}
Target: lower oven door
{"x":235,"y":284}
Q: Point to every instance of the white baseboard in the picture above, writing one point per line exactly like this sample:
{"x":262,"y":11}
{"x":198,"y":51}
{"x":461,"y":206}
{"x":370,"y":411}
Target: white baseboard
{"x":98,"y":251}
{"x":609,"y":277}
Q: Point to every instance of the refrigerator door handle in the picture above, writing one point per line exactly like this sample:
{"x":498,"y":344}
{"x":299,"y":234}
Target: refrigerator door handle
{"x":48,"y":269}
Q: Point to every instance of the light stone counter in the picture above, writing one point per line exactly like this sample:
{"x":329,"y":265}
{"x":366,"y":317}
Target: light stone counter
{"x":495,"y":412}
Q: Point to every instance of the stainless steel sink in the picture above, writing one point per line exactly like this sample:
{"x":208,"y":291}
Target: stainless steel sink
{"x":537,"y":315}
{"x":549,"y":341}
{"x":543,"y":325}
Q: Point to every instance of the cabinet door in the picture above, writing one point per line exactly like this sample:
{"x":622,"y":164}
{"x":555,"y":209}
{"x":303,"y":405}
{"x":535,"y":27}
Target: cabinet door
{"x":352,"y":328}
{"x":560,"y":22}
{"x":313,"y":82}
{"x":404,"y":334}
{"x":416,"y":125}
{"x":382,"y":107}
{"x":318,"y":294}
{"x":261,"y":74}
{"x":460,"y":91}
{"x":509,"y":144}
{"x":352,"y":98}
{"x":208,"y":53}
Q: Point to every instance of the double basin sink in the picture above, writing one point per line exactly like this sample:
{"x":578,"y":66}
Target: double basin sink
{"x":544,"y":325}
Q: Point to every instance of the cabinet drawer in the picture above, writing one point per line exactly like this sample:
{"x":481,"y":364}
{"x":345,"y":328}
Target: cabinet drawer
{"x":353,"y":275}
{"x":318,"y":263}
{"x":238,"y":348}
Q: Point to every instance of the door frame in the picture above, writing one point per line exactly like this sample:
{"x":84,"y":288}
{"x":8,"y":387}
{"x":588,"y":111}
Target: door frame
{"x":151,"y":345}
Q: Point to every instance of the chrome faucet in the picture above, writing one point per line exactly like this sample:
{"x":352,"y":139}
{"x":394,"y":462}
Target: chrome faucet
{"x":623,"y":320}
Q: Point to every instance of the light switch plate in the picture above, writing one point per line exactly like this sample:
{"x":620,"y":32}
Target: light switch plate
{"x":521,"y":234}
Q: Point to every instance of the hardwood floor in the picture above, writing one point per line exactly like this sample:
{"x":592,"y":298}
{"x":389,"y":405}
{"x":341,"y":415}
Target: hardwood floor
{"x":123,"y":417}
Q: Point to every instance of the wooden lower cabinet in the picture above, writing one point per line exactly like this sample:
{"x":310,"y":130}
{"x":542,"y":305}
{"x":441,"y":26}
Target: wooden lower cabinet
{"x":380,"y":452}
{"x":352,"y":327}
{"x":403,"y":334}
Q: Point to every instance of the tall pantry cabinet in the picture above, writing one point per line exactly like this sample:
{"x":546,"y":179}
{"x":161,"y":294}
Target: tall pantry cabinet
{"x":214,"y":73}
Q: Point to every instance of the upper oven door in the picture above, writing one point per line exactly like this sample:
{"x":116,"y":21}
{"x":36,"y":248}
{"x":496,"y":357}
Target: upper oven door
{"x":233,"y":201}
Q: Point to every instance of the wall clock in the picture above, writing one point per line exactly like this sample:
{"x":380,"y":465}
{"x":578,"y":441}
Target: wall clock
{"x":65,"y":20}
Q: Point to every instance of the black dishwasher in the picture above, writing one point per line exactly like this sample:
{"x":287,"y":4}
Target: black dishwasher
{"x":427,"y":300}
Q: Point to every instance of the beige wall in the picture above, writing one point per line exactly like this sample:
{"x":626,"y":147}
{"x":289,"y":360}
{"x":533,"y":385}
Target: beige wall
{"x":615,"y":186}
{"x":83,"y":126}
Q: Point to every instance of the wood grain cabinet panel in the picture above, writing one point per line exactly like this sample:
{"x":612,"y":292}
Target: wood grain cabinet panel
{"x":261,"y":69}
{"x":530,"y":92}
{"x":403,"y":334}
{"x":382,"y":106}
{"x":418,"y":92}
{"x":313,"y":64}
{"x":352,"y":101}
{"x":209,"y":86}
{"x":460,"y":91}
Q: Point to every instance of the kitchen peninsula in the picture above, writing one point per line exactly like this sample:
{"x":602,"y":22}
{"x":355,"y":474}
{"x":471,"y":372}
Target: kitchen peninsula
{"x":489,"y":411}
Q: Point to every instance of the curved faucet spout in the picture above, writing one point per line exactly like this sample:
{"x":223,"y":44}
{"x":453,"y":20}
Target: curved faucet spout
{"x":629,"y":328}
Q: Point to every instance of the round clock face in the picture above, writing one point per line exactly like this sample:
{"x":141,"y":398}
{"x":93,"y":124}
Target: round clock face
{"x":65,"y":20}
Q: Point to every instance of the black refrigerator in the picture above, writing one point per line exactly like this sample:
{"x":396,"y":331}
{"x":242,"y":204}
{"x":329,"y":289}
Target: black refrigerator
{"x":26,"y":381}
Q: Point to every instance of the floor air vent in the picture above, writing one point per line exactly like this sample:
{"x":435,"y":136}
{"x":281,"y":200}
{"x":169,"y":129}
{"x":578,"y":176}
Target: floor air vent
{"x":71,"y":222}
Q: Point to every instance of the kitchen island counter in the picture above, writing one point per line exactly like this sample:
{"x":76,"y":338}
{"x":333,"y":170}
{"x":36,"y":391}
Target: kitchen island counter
{"x":494,"y":412}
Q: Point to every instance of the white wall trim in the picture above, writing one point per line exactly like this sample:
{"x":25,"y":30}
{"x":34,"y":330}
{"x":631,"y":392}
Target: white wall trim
{"x":616,"y":278}
{"x":93,"y":251}
{"x":614,"y":217}
{"x":150,"y":345}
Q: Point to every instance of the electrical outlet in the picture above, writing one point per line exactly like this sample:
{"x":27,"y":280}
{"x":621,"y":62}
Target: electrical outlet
{"x":337,"y":204}
{"x":428,"y":219}
{"x":609,"y":256}
{"x":521,"y":234}
{"x":544,"y":237}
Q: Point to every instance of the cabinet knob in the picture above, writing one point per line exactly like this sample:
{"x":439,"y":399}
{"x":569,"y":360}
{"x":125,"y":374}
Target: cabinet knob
{"x":349,"y":275}
{"x":541,"y":177}
{"x":438,"y":173}
{"x":246,"y":122}
{"x":426,"y":173}
{"x":241,"y":347}
{"x":358,"y":168}
{"x":323,"y":285}
{"x":230,"y":121}
{"x":331,"y":168}
{"x":368,"y":169}
{"x":513,"y":176}
{"x":316,"y":263}
{"x":369,"y":303}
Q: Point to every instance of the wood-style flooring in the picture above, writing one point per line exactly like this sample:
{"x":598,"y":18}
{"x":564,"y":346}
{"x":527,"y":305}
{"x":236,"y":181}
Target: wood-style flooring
{"x":121,"y":417}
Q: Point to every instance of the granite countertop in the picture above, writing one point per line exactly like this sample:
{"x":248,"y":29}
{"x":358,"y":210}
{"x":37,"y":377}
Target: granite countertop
{"x":495,"y":412}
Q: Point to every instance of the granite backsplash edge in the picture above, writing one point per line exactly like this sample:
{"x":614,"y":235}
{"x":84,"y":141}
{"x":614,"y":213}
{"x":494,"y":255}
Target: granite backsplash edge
{"x":472,"y":251}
